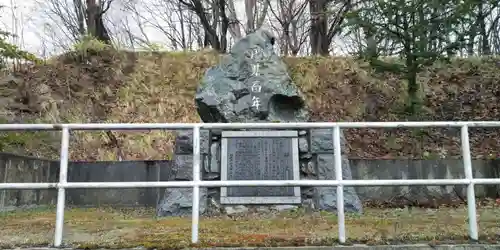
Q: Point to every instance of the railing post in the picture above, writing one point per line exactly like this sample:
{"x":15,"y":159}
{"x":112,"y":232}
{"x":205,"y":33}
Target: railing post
{"x":340,"y":186}
{"x":61,"y":194}
{"x":471,"y":197}
{"x":196,"y":188}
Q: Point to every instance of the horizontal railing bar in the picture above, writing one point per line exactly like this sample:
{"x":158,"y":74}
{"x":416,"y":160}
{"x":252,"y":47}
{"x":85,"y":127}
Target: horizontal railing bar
{"x":270,"y":183}
{"x":486,"y":181}
{"x":28,"y":127}
{"x":347,"y":125}
{"x":415,"y":182}
{"x":27,"y":185}
{"x":100,"y":126}
{"x":303,"y":125}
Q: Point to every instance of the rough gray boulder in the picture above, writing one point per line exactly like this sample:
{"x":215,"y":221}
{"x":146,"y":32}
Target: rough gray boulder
{"x":178,"y":201}
{"x":250,"y":84}
{"x":326,"y":197}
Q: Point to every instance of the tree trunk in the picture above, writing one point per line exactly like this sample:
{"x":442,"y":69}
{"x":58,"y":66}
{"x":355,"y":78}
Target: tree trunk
{"x":224,"y":26}
{"x":319,"y":27}
{"x":183,"y":28}
{"x":80,"y":15}
{"x":95,"y":22}
{"x":485,"y":45}
{"x":211,"y":37}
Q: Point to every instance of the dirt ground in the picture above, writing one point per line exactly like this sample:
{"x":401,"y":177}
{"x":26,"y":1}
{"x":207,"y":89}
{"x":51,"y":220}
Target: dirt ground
{"x":120,"y":228}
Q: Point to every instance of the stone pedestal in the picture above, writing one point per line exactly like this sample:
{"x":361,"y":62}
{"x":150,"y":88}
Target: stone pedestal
{"x":316,"y":162}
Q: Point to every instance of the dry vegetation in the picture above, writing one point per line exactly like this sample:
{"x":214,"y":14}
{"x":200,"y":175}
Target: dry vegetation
{"x":117,"y":86}
{"x":94,"y":228}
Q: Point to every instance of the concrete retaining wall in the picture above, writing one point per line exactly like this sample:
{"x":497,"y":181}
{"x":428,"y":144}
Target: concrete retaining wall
{"x":423,"y":169}
{"x":15,"y":168}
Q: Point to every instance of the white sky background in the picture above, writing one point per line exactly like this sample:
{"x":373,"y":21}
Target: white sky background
{"x":27,"y":20}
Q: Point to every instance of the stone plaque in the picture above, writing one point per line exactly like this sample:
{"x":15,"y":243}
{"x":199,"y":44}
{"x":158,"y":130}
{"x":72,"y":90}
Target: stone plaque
{"x":260,"y":155}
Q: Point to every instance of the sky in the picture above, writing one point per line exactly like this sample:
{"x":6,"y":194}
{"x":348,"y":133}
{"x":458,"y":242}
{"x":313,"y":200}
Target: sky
{"x":25,"y":18}
{"x":15,"y":15}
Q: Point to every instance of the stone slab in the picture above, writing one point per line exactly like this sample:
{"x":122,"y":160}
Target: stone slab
{"x":260,"y":155}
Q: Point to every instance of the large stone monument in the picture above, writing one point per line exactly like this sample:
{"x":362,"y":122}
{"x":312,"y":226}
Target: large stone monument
{"x":251,"y":84}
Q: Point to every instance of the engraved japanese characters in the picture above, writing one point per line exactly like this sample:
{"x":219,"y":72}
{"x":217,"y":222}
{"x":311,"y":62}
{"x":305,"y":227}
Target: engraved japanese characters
{"x":260,"y":155}
{"x":250,"y":84}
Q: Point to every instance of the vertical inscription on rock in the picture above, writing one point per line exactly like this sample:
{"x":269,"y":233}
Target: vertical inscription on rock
{"x":260,"y":155}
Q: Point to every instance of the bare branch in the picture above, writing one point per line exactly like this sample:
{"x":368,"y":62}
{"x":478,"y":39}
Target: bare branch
{"x":290,"y":14}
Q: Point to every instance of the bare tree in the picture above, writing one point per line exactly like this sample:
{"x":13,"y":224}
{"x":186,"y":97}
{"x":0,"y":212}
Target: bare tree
{"x":124,"y":35}
{"x":293,"y":24}
{"x":78,"y":18}
{"x":211,"y":14}
{"x":326,"y":19}
{"x":218,"y":18}
{"x":255,"y":17}
{"x":180,"y":28}
{"x":256,"y":12}
{"x":132,"y":26}
{"x":494,"y":31}
{"x":94,"y":12}
{"x":234,"y":23}
{"x":366,"y":42}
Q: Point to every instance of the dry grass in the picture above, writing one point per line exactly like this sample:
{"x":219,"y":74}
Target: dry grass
{"x":117,"y":86}
{"x":94,"y":228}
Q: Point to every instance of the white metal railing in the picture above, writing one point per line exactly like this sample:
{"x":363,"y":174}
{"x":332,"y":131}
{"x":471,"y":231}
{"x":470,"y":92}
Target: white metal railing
{"x":196,"y":183}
